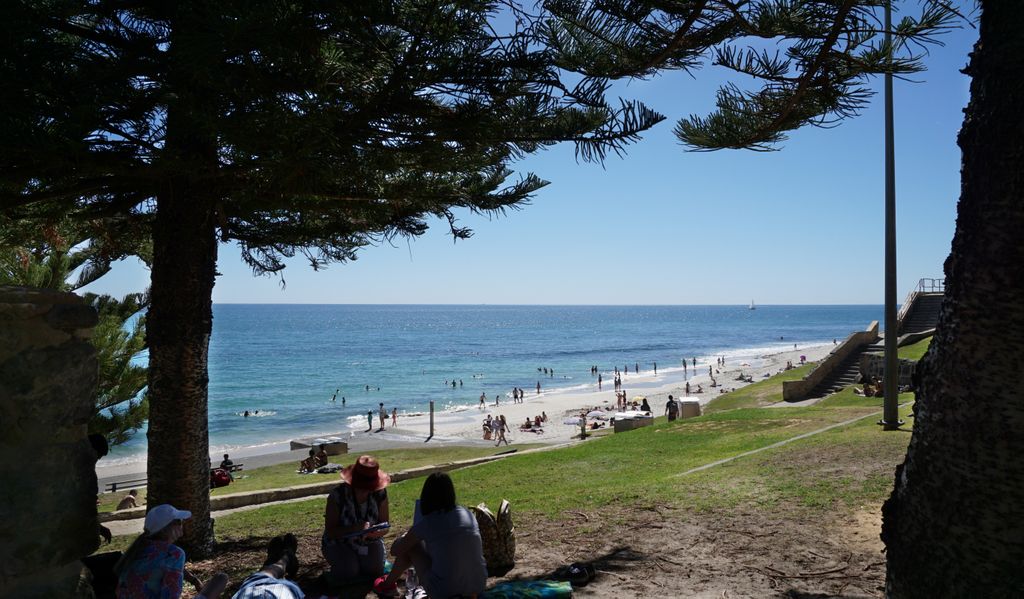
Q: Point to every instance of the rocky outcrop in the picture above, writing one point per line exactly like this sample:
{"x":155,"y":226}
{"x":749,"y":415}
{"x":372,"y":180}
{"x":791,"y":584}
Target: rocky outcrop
{"x":47,"y":465}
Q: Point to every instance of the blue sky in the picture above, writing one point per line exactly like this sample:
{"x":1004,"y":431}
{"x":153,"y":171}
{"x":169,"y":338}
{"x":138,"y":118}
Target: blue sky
{"x":803,"y":225}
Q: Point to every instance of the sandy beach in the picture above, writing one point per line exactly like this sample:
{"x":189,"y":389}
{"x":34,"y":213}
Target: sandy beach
{"x":463,"y":426}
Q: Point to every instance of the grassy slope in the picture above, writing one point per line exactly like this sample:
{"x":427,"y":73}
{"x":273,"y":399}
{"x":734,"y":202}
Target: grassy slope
{"x":915,"y":351}
{"x":636,"y":468}
{"x":284,"y":475}
{"x":758,"y":394}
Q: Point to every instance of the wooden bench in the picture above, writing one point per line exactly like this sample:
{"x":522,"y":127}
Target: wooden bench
{"x":112,"y":487}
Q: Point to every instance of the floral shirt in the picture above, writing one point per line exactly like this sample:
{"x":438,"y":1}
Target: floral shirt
{"x":350,"y":512}
{"x":157,"y":573}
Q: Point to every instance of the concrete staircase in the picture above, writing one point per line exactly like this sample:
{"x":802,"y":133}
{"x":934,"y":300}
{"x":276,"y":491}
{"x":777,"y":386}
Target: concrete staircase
{"x":846,"y":374}
{"x":923,"y":315}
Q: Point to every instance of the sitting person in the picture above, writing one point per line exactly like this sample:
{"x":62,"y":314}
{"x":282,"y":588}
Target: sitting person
{"x":270,"y":581}
{"x":700,"y":389}
{"x":321,"y":456}
{"x":153,"y":567}
{"x":543,"y":416}
{"x":536,"y":421}
{"x":309,"y":464}
{"x":645,"y":407}
{"x":129,"y":500}
{"x":443,"y":545}
{"x":226,"y":463}
{"x":359,"y":502}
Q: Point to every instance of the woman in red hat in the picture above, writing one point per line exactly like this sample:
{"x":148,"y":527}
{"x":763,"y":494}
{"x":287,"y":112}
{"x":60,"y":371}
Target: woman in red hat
{"x":359,"y":502}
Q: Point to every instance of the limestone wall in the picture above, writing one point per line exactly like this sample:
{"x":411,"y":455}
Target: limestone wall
{"x":47,"y":466}
{"x":798,"y":390}
{"x":873,"y":366}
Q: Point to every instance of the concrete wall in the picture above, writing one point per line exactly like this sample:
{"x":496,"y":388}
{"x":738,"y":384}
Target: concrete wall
{"x":798,"y":390}
{"x":235,"y":500}
{"x":873,"y":366}
{"x":47,"y":466}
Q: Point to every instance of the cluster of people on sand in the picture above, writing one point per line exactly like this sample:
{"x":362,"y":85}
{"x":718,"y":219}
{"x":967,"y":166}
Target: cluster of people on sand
{"x":495,"y":428}
{"x":517,"y":395}
{"x":382,"y":415}
{"x":534,"y":425}
{"x":440,"y":555}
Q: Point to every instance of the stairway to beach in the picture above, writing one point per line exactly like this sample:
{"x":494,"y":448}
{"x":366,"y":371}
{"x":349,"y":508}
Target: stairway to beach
{"x":924,"y":314}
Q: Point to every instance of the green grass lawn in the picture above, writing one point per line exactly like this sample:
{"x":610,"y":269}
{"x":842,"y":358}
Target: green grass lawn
{"x":915,"y":351}
{"x":634,"y":469}
{"x":284,"y":475}
{"x":758,"y":394}
{"x":844,"y":468}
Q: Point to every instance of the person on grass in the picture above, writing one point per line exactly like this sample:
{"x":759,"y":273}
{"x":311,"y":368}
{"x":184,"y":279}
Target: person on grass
{"x":153,"y":567}
{"x":443,"y":545}
{"x":129,"y":501}
{"x":271,"y":581}
{"x":359,"y":502}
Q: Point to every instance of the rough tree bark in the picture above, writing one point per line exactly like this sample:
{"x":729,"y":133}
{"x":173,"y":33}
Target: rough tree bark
{"x":954,"y":525}
{"x":180,"y":318}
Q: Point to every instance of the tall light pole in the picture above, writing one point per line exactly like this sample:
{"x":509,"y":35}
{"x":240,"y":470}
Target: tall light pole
{"x":890,"y":407}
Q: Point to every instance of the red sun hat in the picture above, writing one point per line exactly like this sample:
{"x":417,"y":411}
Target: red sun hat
{"x":366,"y":474}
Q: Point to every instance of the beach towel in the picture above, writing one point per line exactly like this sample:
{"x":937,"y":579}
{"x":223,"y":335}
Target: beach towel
{"x":540,"y":589}
{"x":498,"y":534}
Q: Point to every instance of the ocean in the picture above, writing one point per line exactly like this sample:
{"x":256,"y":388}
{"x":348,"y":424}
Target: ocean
{"x":283,"y":363}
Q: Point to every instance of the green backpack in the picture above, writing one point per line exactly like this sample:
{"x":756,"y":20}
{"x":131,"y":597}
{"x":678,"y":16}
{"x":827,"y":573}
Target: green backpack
{"x":498,"y":534}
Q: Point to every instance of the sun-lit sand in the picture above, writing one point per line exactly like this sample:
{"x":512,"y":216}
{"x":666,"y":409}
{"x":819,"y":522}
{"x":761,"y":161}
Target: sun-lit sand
{"x":464,"y":426}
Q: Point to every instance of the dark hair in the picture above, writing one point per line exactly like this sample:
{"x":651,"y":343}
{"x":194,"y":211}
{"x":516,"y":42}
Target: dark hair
{"x":438,"y":494}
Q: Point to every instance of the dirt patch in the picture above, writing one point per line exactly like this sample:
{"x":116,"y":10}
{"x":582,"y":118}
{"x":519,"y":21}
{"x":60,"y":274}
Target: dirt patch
{"x":662,"y":551}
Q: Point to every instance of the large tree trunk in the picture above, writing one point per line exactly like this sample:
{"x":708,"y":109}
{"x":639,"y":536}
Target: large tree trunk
{"x":178,"y":328}
{"x":954,"y":525}
{"x":180,"y":317}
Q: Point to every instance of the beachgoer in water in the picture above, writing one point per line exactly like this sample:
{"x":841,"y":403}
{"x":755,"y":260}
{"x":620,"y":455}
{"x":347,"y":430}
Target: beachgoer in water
{"x":598,"y":382}
{"x":483,"y":400}
{"x":444,"y":546}
{"x":342,"y":400}
{"x":335,"y":396}
{"x":359,"y":502}
{"x":246,"y":414}
{"x":655,"y":368}
{"x":153,"y":567}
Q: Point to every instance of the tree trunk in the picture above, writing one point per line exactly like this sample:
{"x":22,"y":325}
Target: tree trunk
{"x":179,"y":325}
{"x":180,"y":317}
{"x":954,"y":525}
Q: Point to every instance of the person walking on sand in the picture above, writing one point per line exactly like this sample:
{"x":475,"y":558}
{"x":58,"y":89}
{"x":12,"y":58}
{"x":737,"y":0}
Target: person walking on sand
{"x":369,"y":420}
{"x":483,"y":400}
{"x":538,"y":387}
{"x":502,"y":427}
{"x":599,"y":382}
{"x":383,"y":414}
{"x":394,"y":416}
{"x":655,"y":368}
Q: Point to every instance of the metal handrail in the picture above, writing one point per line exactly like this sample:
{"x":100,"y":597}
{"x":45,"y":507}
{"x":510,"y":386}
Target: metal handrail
{"x":923,"y":286}
{"x":931,"y":285}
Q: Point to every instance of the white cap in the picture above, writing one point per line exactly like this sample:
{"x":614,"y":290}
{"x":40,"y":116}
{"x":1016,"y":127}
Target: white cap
{"x":159,"y":517}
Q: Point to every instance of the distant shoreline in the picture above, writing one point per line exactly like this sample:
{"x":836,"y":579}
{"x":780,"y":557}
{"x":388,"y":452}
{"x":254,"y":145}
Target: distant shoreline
{"x":464,"y":427}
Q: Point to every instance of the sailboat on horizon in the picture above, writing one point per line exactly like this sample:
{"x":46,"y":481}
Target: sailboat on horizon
{"x":752,"y":306}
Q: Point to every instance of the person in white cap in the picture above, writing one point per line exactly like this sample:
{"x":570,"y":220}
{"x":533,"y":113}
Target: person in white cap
{"x":153,"y":567}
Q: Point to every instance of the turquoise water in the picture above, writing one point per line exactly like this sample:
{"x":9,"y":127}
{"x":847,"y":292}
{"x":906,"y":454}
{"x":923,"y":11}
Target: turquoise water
{"x":287,"y":360}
